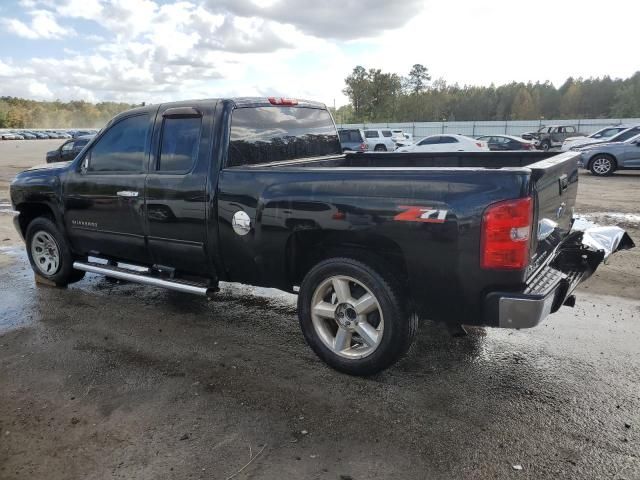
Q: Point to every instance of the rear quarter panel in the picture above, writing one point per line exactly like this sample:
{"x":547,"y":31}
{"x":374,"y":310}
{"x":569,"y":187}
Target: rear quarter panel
{"x":374,"y":206}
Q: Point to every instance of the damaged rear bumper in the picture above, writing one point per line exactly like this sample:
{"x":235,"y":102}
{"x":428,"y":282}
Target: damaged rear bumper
{"x":551,"y":286}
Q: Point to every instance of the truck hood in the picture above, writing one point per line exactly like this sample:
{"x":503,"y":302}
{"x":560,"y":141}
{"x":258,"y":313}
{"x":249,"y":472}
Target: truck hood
{"x":50,"y":166}
{"x":589,"y":146}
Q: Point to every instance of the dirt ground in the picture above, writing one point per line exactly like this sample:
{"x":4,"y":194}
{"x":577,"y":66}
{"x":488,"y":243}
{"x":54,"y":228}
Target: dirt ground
{"x":114,"y":380}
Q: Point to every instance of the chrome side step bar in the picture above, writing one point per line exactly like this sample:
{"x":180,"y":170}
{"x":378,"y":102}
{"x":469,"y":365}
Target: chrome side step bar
{"x":139,"y":277}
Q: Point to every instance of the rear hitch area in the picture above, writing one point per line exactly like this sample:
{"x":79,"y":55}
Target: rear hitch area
{"x":551,"y":286}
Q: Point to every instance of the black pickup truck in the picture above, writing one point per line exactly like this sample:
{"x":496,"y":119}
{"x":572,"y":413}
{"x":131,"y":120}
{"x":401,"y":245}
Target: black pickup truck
{"x":258,"y":191}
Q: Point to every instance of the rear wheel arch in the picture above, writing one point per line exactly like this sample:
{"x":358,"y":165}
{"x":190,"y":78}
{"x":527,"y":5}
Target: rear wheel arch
{"x":305,"y":250}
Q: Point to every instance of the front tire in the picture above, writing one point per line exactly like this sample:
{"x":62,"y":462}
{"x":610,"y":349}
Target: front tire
{"x":602,"y":165}
{"x":545,"y":145}
{"x":353,"y":318}
{"x":380,"y":148}
{"x":49,"y":254}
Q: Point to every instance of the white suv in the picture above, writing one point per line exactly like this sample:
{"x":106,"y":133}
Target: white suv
{"x":380,"y":140}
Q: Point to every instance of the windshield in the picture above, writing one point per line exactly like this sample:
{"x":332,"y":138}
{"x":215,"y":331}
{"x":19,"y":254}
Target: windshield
{"x":606,"y":132}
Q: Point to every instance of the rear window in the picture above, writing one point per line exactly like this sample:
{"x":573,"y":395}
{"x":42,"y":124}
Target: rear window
{"x":350,"y":136}
{"x":272,"y":134}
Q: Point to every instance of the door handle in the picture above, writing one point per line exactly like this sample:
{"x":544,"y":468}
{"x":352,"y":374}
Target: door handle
{"x":127,"y":193}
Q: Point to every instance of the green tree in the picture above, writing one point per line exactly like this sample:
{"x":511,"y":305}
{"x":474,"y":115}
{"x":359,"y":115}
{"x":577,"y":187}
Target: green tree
{"x":418,"y":79}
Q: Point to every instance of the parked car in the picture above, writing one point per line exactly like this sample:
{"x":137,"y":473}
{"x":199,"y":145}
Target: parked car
{"x":17,"y":135}
{"x":620,"y":137}
{"x":6,"y":135}
{"x":602,"y":135}
{"x":352,"y":140}
{"x":379,"y":140}
{"x":446,"y":143}
{"x":68,"y":150}
{"x":81,"y":133}
{"x":401,"y":138}
{"x":28,"y":135}
{"x":605,"y":158}
{"x":507,"y":142}
{"x":552,"y":136}
{"x":190,"y":206}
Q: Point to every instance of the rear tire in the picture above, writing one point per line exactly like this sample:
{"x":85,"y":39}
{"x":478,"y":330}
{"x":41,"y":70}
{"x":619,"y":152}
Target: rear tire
{"x":353,"y":318}
{"x":545,"y":145}
{"x":602,"y":165}
{"x":49,"y":254}
{"x":380,"y":148}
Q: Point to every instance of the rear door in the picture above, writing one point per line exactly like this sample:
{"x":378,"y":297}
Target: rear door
{"x":104,"y":195}
{"x":176,"y":187}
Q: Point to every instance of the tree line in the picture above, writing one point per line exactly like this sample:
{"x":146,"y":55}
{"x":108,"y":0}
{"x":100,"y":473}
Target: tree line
{"x":22,"y":113}
{"x":377,"y":96}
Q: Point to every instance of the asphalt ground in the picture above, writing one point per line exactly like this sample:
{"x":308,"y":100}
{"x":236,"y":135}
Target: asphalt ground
{"x":115,"y":380}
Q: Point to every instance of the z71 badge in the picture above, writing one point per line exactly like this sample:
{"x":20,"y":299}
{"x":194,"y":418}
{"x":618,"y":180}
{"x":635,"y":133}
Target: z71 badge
{"x":421,"y":214}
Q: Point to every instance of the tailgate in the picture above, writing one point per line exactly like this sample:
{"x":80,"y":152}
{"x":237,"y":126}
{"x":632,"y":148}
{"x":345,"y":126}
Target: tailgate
{"x":554,"y":187}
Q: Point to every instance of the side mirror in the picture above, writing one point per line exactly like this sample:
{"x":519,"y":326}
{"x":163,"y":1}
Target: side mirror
{"x":84,"y":165}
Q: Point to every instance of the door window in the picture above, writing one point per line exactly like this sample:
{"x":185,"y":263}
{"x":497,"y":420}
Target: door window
{"x":430,"y":140}
{"x":445,"y":139}
{"x":121,"y":148}
{"x":67,"y":147}
{"x":180,"y":142}
{"x":371,"y":133}
{"x":386,"y":133}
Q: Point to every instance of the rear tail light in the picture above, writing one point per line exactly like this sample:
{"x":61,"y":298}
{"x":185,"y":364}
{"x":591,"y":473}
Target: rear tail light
{"x":506,"y":235}
{"x":364,"y":147}
{"x":282,"y":101}
{"x":479,"y":144}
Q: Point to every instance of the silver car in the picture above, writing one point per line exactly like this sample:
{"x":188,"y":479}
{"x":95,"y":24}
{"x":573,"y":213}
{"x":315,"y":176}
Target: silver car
{"x":605,"y":158}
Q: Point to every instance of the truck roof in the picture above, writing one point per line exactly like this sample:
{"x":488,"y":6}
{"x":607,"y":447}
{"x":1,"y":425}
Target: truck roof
{"x":236,"y":101}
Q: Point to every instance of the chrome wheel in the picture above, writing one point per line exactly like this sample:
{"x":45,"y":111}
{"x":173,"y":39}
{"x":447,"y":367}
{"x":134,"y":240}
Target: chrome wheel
{"x":347,"y":317}
{"x":45,"y":253}
{"x":601,"y":166}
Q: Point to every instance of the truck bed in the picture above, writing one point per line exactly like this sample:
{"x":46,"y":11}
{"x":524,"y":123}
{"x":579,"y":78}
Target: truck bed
{"x":421,"y":160}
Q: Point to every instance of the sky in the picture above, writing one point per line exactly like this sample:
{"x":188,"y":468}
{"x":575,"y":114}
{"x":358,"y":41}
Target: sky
{"x":164,"y":50}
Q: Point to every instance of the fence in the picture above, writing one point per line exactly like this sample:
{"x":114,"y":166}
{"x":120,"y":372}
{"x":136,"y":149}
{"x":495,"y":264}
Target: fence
{"x":473,"y":129}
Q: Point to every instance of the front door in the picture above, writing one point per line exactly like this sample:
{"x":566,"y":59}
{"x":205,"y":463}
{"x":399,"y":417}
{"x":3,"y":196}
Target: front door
{"x":632,"y":155}
{"x":104,"y":195}
{"x":176,"y":188}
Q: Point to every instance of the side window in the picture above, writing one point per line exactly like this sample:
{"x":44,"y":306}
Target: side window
{"x":371,"y":133}
{"x":67,"y":147}
{"x":180,"y":141}
{"x":79,"y":144}
{"x":621,"y":137}
{"x":386,"y":133}
{"x":121,"y":148}
{"x":446,"y":139}
{"x":570,"y":129}
{"x":430,"y":140}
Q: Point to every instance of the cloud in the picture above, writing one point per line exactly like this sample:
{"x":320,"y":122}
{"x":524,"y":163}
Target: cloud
{"x":238,"y":35}
{"x":336,"y":19}
{"x":43,"y":25}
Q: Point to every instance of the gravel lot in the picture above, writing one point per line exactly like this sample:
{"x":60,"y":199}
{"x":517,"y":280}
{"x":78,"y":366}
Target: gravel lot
{"x":111,"y":380}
